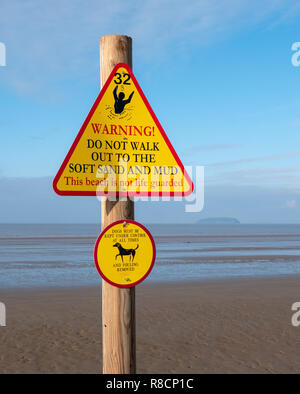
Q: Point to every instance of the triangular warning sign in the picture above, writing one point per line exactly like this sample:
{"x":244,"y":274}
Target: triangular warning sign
{"x":121,"y":148}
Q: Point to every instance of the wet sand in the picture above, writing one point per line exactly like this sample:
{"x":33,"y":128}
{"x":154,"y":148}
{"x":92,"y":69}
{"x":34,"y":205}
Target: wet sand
{"x":233,"y":326}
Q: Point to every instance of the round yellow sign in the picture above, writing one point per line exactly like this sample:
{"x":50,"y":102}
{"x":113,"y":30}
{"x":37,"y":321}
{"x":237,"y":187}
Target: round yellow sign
{"x":124,"y":253}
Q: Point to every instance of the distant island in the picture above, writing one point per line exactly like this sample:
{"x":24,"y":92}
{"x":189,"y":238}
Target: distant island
{"x":218,"y":221}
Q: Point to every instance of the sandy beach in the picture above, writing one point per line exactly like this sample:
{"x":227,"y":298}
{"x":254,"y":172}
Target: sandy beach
{"x":233,"y":326}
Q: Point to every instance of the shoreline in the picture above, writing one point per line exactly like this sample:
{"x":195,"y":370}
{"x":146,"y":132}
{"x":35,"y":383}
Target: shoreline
{"x":159,"y":284}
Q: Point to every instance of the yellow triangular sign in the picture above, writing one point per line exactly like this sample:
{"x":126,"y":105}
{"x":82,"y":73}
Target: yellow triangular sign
{"x":121,"y":148}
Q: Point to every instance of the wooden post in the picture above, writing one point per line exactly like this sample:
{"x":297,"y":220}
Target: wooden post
{"x":118,"y":305}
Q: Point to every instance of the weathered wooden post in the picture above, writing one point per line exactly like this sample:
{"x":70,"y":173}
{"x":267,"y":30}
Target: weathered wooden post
{"x":146,"y":148}
{"x":118,"y":304}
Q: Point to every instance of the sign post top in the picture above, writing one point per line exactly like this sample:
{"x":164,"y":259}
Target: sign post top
{"x":121,"y":148}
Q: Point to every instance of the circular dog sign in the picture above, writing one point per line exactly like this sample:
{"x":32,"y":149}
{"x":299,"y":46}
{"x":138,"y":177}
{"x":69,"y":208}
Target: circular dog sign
{"x":124,"y":253}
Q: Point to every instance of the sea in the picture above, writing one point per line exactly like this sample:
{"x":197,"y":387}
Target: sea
{"x":61,"y":255}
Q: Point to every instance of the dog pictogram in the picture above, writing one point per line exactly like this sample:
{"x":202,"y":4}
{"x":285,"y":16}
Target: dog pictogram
{"x":125,"y":252}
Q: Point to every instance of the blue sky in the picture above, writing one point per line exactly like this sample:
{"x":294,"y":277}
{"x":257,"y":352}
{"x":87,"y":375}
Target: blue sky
{"x":218,"y":75}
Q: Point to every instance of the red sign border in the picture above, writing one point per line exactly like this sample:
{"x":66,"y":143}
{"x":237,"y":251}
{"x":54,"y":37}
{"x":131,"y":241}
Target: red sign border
{"x":96,"y":254}
{"x":84,"y":126}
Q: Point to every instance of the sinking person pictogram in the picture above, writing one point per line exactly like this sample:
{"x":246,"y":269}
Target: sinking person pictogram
{"x":120,"y":102}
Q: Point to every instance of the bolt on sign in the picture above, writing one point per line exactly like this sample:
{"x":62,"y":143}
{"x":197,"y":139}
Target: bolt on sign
{"x":121,"y":148}
{"x":124,"y":253}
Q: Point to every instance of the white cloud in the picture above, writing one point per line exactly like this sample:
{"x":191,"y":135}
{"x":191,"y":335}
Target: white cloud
{"x":47,"y":41}
{"x":212,"y":147}
{"x":286,"y":178}
{"x":278,"y":156}
{"x":249,"y":204}
{"x":291,"y":204}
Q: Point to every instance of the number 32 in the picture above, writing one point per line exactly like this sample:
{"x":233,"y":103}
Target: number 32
{"x":118,"y":80}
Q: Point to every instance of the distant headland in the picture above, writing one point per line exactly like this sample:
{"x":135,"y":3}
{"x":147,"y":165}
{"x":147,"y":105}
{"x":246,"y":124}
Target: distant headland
{"x":222,"y":220}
